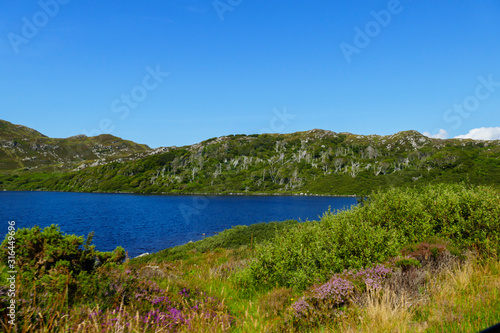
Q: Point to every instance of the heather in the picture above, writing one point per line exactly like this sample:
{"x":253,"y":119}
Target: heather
{"x":405,"y":260}
{"x":64,"y":284}
{"x":327,"y":302}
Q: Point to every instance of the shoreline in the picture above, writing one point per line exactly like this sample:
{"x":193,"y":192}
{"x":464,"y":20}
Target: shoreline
{"x":200,"y":193}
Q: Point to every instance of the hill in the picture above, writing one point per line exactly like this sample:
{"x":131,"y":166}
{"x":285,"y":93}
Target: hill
{"x":25,"y":149}
{"x":311,"y":162}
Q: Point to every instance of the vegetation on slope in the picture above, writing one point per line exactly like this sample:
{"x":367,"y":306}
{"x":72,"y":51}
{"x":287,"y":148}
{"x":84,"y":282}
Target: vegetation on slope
{"x":408,"y":260}
{"x":235,"y":238}
{"x":313,"y":162}
{"x":23,"y":149}
{"x":376,"y":231}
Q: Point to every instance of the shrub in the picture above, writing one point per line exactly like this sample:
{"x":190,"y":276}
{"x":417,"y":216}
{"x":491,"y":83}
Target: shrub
{"x":52,"y":263}
{"x":325,"y":303}
{"x":313,"y":251}
{"x":407,"y":263}
{"x":39,"y":252}
{"x":468,"y":216}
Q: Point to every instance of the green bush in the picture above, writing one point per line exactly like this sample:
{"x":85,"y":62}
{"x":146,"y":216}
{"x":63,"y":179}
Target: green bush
{"x":40,"y":251}
{"x":406,"y":263}
{"x":313,"y":251}
{"x":51,"y":261}
{"x":469,"y":217}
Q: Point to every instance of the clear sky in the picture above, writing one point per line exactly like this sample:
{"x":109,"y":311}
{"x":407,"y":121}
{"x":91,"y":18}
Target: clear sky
{"x":175,"y":72}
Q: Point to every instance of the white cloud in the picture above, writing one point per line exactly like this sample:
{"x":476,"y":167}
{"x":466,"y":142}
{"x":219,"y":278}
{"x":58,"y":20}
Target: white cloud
{"x":483,"y":133}
{"x":442,"y":134}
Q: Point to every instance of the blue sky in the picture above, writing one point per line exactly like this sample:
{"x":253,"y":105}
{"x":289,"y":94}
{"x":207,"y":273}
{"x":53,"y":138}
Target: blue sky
{"x":243,"y":67}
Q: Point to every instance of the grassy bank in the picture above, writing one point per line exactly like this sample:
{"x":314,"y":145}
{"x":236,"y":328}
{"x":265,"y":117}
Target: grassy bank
{"x":409,"y":260}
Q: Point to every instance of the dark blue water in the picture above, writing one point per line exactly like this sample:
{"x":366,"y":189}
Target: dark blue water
{"x":150,"y":223}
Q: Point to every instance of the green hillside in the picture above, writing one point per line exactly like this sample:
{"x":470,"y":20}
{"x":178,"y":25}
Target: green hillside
{"x":24,"y":149}
{"x":312,"y":162}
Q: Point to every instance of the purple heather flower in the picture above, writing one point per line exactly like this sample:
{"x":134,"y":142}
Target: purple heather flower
{"x":300,"y":307}
{"x":336,"y":289}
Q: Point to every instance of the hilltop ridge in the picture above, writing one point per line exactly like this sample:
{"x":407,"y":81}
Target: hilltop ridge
{"x":310,"y":162}
{"x":26,"y":149}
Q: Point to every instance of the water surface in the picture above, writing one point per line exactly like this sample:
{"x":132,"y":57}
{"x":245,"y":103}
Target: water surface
{"x":149,"y":223}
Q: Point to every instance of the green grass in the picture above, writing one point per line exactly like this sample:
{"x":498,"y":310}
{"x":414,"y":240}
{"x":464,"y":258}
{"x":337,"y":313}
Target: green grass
{"x":471,"y":304}
{"x":234,"y":238}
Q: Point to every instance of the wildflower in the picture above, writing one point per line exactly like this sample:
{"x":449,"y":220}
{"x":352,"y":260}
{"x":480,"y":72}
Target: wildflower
{"x":300,"y":307}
